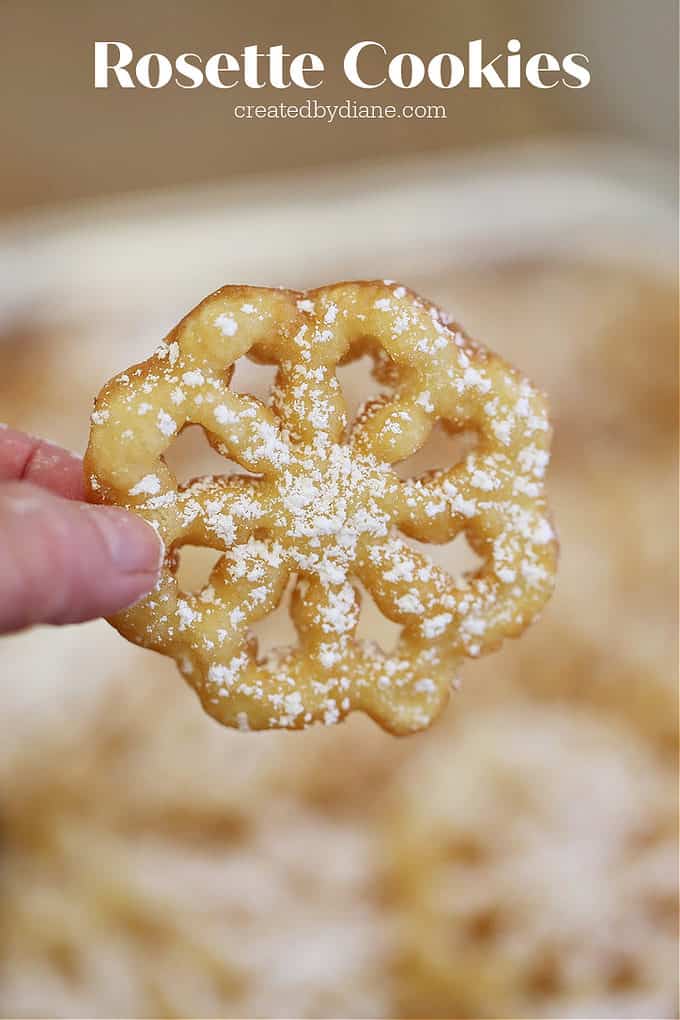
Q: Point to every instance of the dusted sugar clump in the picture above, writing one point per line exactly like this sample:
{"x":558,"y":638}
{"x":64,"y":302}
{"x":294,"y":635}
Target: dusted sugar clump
{"x":323,"y":503}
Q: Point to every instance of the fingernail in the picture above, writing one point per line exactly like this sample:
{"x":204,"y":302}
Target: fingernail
{"x":134,"y":546}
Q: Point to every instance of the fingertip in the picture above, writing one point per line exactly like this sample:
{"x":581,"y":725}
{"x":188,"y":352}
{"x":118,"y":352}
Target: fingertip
{"x":67,"y":562}
{"x":133,"y":545}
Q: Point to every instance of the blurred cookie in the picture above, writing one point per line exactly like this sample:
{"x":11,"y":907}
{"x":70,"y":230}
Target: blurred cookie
{"x":532,"y":861}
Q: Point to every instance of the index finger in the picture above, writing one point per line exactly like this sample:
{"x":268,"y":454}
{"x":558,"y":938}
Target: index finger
{"x":25,"y":458}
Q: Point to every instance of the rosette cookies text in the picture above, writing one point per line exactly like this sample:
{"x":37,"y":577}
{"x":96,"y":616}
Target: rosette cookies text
{"x":366,"y":65}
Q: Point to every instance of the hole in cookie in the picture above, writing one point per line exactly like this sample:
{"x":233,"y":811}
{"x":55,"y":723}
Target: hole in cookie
{"x":253,"y":378}
{"x":358,"y":384}
{"x":276,"y":630}
{"x":373,"y":625}
{"x":456,"y":557}
{"x":191,"y":455}
{"x":195,"y":566}
{"x":443,"y":449}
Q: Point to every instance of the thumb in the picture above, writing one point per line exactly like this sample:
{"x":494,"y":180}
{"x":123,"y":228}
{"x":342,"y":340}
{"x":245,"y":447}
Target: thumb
{"x":64,"y":562}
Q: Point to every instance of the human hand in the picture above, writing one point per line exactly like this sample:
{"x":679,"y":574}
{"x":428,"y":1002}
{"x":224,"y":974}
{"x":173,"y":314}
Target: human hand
{"x":61,"y":559}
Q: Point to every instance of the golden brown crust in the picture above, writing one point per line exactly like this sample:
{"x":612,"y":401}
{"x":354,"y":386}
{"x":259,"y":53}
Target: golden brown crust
{"x":325,"y":504}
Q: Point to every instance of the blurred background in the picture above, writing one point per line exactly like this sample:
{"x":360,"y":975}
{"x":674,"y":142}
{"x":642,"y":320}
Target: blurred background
{"x":519,"y":858}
